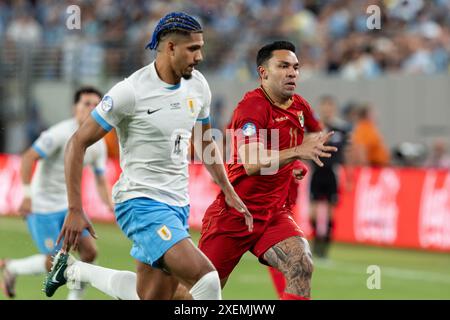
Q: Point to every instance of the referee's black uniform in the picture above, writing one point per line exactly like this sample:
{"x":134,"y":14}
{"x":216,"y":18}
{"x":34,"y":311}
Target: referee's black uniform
{"x":324,"y":180}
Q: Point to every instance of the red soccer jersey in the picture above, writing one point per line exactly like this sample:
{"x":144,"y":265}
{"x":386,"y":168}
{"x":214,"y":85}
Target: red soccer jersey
{"x":264,"y":193}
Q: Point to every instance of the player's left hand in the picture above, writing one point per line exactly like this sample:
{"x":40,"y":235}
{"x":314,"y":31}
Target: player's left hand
{"x":233,"y":200}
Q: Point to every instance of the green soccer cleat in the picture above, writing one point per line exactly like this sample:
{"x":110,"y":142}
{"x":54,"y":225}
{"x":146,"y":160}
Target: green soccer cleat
{"x":55,"y":278}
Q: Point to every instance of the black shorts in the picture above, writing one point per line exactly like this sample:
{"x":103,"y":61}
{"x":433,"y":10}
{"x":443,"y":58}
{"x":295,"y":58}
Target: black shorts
{"x":324,"y":185}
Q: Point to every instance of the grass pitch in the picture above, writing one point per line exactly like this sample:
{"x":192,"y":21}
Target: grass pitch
{"x":405,"y":274}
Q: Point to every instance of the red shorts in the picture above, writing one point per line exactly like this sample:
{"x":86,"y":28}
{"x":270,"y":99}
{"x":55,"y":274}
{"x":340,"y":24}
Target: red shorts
{"x":225,"y":236}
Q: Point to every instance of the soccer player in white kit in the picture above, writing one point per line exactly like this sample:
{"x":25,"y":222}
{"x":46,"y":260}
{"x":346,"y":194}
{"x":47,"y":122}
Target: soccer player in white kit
{"x":154,"y":112}
{"x":45,"y":201}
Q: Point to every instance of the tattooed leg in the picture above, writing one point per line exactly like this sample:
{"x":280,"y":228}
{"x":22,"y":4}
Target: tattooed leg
{"x":293,"y":258}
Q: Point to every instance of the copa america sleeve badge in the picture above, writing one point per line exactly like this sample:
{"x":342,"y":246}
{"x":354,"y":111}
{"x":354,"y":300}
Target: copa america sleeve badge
{"x":249,"y":129}
{"x":107,"y":104}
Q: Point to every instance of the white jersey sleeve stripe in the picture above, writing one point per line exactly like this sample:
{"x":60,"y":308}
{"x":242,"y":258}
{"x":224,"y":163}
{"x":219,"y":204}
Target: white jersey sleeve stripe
{"x":102,"y":122}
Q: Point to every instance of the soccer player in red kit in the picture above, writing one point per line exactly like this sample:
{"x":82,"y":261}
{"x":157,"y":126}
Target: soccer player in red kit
{"x":275,"y":239}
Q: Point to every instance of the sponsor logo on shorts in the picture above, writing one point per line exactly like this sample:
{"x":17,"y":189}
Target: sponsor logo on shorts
{"x":165,"y":233}
{"x":107,"y":104}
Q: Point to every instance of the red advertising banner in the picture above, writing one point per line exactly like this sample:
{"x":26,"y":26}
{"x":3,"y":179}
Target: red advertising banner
{"x":384,"y":206}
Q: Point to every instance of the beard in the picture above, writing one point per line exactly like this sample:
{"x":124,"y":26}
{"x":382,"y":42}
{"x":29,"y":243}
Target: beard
{"x":186,"y":76}
{"x":187,"y":73}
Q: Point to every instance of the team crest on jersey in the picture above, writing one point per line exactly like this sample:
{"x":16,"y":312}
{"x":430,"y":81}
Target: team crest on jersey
{"x":191,"y":106}
{"x":249,"y":129}
{"x":165,"y":233}
{"x":301,"y":119}
{"x":107,"y":104}
{"x":49,"y":244}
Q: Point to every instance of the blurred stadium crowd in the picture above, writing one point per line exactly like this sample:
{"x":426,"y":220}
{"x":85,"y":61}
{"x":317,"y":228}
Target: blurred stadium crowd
{"x":332,"y":35}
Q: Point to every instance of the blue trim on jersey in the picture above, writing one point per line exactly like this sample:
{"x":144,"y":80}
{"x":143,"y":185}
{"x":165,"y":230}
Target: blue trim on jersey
{"x":102,"y":122}
{"x":175,"y":86}
{"x":99,"y":172}
{"x":39,"y":151}
{"x":204,"y":120}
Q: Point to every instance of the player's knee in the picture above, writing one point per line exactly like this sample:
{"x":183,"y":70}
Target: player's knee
{"x":306,"y":262}
{"x":300,"y":269}
{"x":300,"y":265}
{"x":201,"y":271}
{"x":307,"y":266}
{"x":207,"y":288}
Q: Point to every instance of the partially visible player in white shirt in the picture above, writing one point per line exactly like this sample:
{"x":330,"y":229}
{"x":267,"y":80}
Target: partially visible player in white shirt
{"x":45,"y":200}
{"x":154,"y":112}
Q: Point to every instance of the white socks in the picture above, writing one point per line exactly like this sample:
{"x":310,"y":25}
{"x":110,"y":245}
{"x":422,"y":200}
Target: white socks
{"x":117,"y":284}
{"x":29,"y":265}
{"x":77,"y":294}
{"x":207,"y":288}
{"x":122,"y":284}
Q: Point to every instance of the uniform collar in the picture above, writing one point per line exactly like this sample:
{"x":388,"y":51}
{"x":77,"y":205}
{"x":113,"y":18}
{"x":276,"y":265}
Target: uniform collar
{"x":272,"y":102}
{"x":163,"y":84}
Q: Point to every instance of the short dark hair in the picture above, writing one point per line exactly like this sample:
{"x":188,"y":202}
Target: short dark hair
{"x":85,"y":90}
{"x":265,"y":53}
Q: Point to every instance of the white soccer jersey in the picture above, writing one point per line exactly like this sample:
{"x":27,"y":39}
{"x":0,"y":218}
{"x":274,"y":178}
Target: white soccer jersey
{"x":48,"y":186}
{"x":154,"y":121}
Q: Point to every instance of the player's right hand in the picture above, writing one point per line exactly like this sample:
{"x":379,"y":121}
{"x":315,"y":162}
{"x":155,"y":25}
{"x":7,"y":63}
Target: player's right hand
{"x":25,"y":207}
{"x":313,"y":147}
{"x":74,"y":224}
{"x":233,"y":200}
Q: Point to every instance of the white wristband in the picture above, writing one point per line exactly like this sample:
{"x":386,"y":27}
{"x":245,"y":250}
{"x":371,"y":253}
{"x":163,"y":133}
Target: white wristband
{"x":26,"y":190}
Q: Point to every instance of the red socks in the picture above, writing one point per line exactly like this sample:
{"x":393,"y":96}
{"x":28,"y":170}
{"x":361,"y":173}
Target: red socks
{"x":280,"y":285}
{"x":278,"y":281}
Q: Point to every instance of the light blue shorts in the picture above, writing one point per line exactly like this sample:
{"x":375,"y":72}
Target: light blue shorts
{"x":45,"y":229}
{"x":153,"y":226}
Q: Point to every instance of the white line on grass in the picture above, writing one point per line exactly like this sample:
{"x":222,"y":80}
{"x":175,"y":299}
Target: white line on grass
{"x":393,"y":272}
